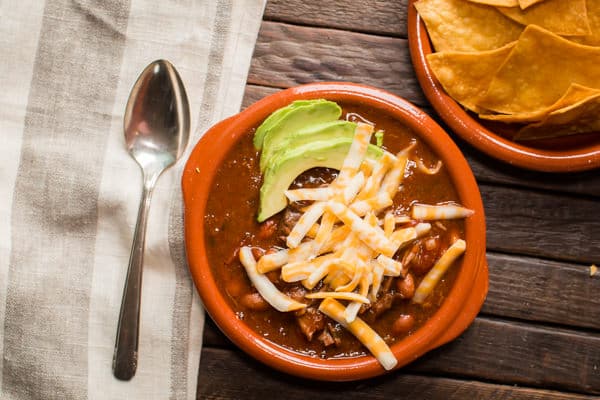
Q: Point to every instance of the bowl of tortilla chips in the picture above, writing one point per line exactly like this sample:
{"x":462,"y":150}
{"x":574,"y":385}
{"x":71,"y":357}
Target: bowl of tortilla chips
{"x":518,"y":79}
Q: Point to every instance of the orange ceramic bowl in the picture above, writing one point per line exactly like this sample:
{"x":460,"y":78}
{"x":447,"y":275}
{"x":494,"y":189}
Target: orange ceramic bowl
{"x":572,"y":153}
{"x":460,"y":306}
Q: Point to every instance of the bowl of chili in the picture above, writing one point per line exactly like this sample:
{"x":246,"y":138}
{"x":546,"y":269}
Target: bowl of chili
{"x":221,"y":188}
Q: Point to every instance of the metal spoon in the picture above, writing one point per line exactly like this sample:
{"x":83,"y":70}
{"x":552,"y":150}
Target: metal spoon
{"x":157,"y":125}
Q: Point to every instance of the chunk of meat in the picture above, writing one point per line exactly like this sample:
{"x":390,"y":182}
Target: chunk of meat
{"x":335,"y":332}
{"x":381,"y":305}
{"x":290,"y":218}
{"x":326,"y":338}
{"x":310,"y":322}
{"x":406,"y":286}
{"x":296,"y":292}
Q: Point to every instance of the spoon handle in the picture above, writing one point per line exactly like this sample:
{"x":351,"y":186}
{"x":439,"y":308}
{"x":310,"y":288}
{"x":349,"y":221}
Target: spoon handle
{"x":126,"y":345}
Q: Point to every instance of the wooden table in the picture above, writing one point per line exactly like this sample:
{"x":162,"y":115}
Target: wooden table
{"x":538,"y":333}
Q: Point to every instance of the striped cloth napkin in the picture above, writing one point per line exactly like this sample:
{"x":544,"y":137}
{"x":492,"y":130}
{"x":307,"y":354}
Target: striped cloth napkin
{"x":69,"y":191}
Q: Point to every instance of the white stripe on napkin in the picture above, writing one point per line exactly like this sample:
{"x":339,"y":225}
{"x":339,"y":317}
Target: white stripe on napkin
{"x":15,"y":76}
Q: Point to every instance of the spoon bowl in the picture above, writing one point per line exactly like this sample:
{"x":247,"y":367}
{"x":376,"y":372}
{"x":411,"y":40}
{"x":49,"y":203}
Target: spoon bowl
{"x":157,"y":117}
{"x":157,"y":125}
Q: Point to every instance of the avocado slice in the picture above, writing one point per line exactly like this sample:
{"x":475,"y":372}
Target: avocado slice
{"x":296,"y":119}
{"x":275,"y":117}
{"x":287,"y":165}
{"x":312,"y":133}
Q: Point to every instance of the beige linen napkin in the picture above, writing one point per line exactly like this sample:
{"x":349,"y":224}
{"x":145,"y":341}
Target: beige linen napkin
{"x":69,"y":192}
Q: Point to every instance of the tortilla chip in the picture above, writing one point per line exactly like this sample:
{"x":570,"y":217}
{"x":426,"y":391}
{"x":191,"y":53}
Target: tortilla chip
{"x":539,"y":70}
{"x":459,"y":25}
{"x":575,"y":94}
{"x":527,"y":3}
{"x":466,"y":75}
{"x":498,"y":3}
{"x":582,"y":117}
{"x":593,"y":14}
{"x":563,"y":17}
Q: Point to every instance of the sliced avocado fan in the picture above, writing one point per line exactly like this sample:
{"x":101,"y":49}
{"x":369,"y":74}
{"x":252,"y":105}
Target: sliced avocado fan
{"x":290,"y":119}
{"x":275,"y":117}
{"x":285,"y":166}
{"x":311,"y":133}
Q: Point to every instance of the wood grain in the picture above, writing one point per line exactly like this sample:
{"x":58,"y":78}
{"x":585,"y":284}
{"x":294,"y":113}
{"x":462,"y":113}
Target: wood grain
{"x":490,"y":170}
{"x":542,"y":224}
{"x":256,"y":381}
{"x":543,"y":291}
{"x":518,"y":353}
{"x":288,"y":55}
{"x":379,"y":17}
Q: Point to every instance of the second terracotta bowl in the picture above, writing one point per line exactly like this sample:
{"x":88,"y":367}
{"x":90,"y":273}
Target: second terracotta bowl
{"x":458,"y":309}
{"x":567,"y":154}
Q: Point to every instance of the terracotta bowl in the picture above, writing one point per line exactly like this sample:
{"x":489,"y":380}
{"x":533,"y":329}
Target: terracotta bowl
{"x":460,"y":306}
{"x":572,"y":153}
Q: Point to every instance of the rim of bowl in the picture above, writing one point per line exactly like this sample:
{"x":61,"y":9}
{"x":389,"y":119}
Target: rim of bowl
{"x":581,"y":158}
{"x":209,"y":153}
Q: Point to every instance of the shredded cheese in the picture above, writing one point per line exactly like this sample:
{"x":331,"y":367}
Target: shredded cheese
{"x":356,"y":154}
{"x":363,"y":332}
{"x":354,"y":185}
{"x":373,"y":236}
{"x":392,"y":180}
{"x":439,"y":269}
{"x":446,"y":211}
{"x":391,"y":267}
{"x":318,"y":194}
{"x":389,"y":223}
{"x":339,"y":295}
{"x":265,"y":287}
{"x":345,"y":241}
{"x":273,"y":261}
{"x":375,"y":203}
{"x":374,"y":181}
{"x":304,"y":224}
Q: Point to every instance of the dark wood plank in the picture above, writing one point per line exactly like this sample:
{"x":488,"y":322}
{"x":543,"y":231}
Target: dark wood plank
{"x":254,"y":93}
{"x":517,"y":353}
{"x":380,"y":17}
{"x":544,"y":291}
{"x":287,"y":55}
{"x":534,"y":223}
{"x":490,"y":170}
{"x":256,"y":381}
